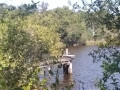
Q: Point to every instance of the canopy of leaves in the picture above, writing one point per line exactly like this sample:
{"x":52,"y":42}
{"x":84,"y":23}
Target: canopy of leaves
{"x":24,"y":43}
{"x":108,"y":13}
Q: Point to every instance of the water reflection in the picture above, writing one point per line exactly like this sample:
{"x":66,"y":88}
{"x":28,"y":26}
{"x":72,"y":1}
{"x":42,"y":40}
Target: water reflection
{"x":85,"y":72}
{"x":67,"y":80}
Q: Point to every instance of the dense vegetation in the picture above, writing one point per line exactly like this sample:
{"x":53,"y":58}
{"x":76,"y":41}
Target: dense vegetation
{"x":24,"y":43}
{"x":30,"y":34}
{"x":108,"y":14}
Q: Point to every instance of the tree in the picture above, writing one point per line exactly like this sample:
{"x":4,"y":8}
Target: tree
{"x":23,"y":45}
{"x":70,"y":25}
{"x":109,"y":14}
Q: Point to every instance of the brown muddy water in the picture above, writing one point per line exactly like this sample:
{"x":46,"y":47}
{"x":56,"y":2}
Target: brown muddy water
{"x":85,"y":73}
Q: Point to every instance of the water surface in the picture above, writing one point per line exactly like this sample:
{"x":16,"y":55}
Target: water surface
{"x":85,"y":72}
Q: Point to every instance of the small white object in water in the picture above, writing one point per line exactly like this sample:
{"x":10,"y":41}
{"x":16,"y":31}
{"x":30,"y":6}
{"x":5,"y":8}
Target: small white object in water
{"x":49,"y":68}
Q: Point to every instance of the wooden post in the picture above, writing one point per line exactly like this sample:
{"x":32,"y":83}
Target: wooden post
{"x":66,"y":53}
{"x":66,"y":61}
{"x":70,"y":68}
{"x":67,"y":67}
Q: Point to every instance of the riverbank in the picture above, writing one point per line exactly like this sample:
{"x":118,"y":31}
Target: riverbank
{"x":90,"y":42}
{"x":87,"y":43}
{"x":95,"y":42}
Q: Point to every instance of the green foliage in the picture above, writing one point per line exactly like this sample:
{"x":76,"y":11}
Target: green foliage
{"x":30,"y":34}
{"x":70,"y":25}
{"x":24,"y":43}
{"x":110,"y":57}
{"x":108,"y":12}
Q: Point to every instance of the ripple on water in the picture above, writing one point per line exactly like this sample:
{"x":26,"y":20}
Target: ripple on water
{"x":85,"y":72}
